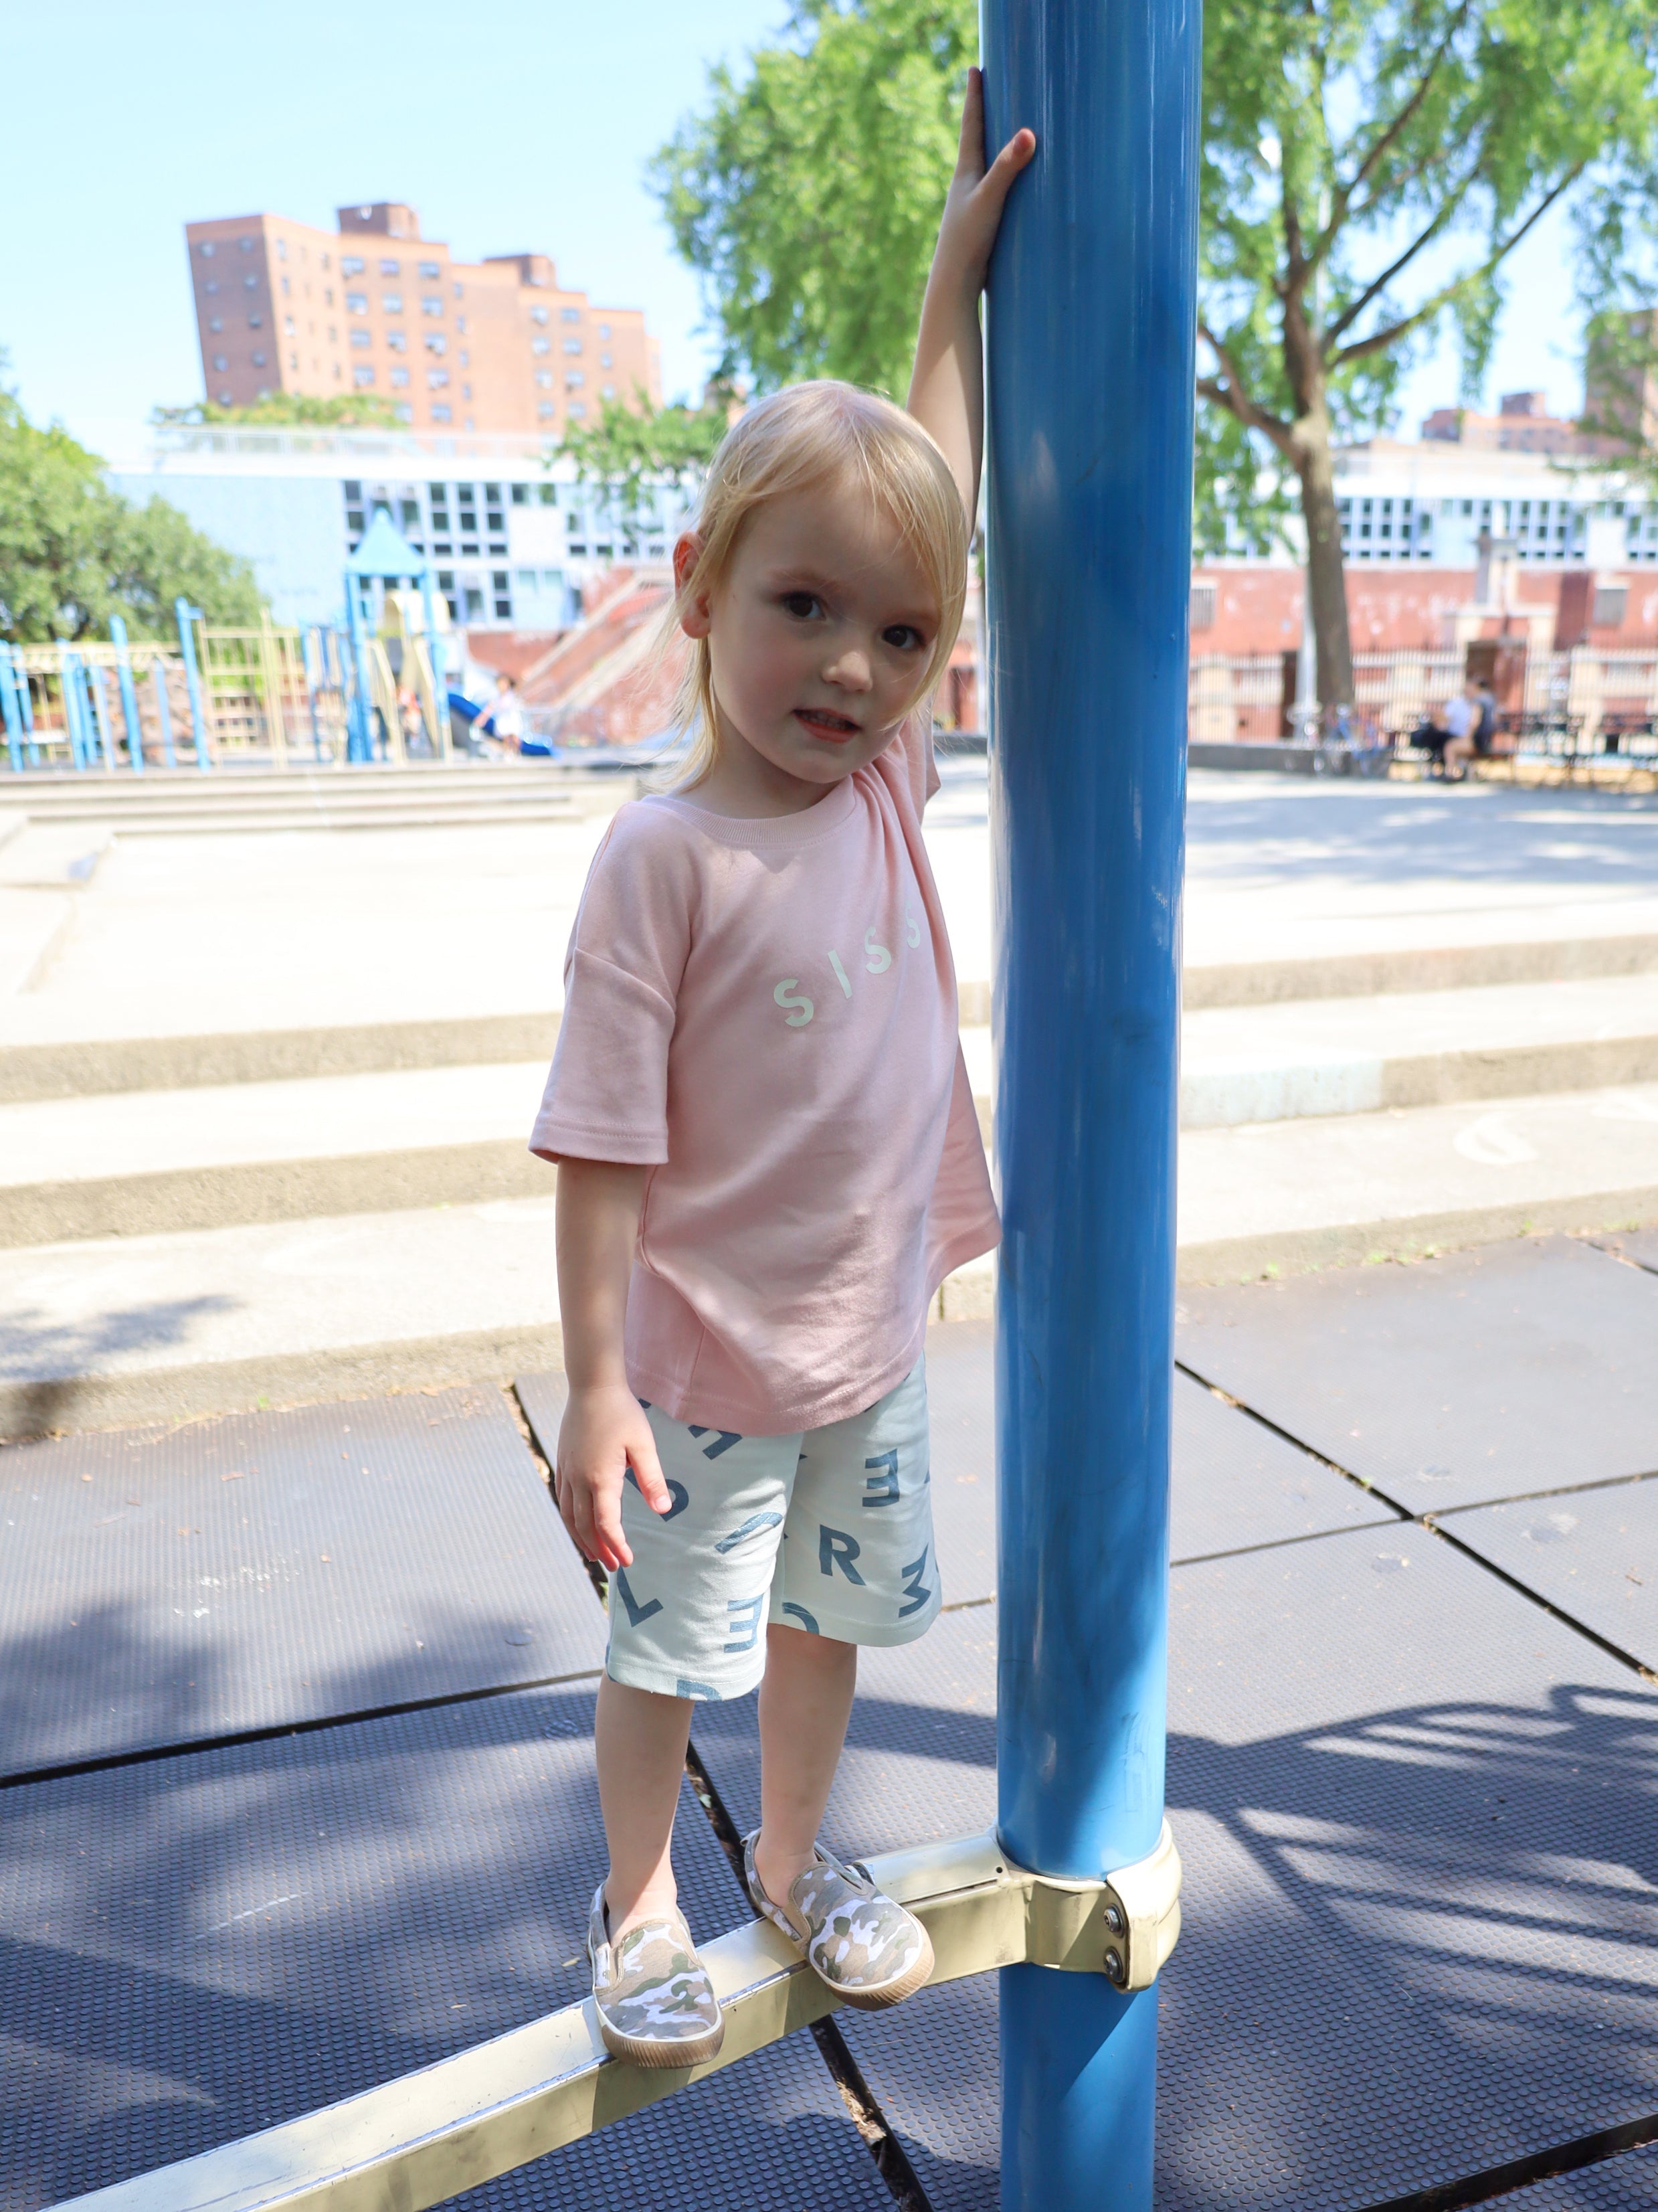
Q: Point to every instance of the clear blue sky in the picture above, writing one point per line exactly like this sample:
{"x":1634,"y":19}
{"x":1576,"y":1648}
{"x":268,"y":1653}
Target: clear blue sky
{"x":507,"y":126}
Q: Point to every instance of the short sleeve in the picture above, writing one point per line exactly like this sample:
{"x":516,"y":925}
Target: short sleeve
{"x":607,"y":1091}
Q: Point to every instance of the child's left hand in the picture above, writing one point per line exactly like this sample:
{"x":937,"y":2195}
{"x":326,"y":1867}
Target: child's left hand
{"x":973,"y":203}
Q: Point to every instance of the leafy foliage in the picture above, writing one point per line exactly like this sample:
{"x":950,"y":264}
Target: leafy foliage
{"x":72,"y":553}
{"x":807,"y":196}
{"x":349,"y":411}
{"x":630,"y":449}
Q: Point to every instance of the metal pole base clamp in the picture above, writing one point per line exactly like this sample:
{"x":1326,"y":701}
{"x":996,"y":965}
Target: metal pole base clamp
{"x":412,"y":2142}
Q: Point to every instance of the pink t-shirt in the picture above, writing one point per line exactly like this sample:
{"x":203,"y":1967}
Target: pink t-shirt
{"x":764,"y":1013}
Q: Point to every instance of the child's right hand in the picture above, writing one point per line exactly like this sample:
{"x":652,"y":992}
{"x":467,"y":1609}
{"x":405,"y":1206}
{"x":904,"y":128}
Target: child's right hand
{"x":602,"y":1434}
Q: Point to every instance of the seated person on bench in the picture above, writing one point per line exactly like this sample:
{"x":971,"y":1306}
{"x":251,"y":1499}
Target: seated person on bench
{"x":1457,"y":719}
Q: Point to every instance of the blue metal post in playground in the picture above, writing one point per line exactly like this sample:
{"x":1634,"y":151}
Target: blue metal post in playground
{"x":12,"y":680}
{"x":1089,"y":327}
{"x":163,"y":712}
{"x":186,"y":617}
{"x":118,"y":631}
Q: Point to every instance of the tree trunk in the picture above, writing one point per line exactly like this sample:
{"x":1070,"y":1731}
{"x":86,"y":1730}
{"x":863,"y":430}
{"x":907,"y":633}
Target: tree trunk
{"x":1326,"y":582}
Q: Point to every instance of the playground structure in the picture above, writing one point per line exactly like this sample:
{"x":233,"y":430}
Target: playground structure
{"x":266,"y":698}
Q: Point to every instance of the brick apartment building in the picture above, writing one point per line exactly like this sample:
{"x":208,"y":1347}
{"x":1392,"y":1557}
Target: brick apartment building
{"x":486,"y":346}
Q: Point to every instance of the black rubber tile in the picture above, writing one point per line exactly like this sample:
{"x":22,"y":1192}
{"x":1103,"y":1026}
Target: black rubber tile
{"x":1237,"y":1484}
{"x":195,"y":1948}
{"x":1593,"y":1552}
{"x":1629,"y":2184}
{"x":1517,"y":1367}
{"x":1421,"y":1888}
{"x":167,"y":1585}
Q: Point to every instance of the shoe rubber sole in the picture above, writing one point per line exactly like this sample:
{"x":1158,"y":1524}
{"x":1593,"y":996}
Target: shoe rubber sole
{"x":642,"y":2050}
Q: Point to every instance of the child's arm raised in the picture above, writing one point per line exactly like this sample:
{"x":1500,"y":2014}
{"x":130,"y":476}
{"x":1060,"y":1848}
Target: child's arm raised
{"x":604,"y":1430}
{"x":946,"y":386}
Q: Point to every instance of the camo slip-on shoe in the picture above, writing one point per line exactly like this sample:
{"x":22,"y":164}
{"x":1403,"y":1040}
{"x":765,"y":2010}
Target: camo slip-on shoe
{"x":869,"y":1950}
{"x":655,"y":2003}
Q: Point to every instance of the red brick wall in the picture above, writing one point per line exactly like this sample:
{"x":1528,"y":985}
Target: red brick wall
{"x":1258,"y":609}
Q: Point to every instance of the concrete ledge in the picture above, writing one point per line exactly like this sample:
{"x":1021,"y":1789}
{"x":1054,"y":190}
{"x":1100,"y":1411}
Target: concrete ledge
{"x":1274,"y":755}
{"x":269,"y":1190}
{"x":54,"y":1404}
{"x":1438,"y":967}
{"x":1357,"y":1243}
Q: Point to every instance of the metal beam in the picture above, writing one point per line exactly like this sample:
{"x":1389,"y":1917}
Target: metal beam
{"x":1090,"y":331}
{"x":430,"y":2134}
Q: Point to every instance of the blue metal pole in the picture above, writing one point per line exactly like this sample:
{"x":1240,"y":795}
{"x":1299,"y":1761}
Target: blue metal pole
{"x":118,"y":631}
{"x":10,"y":680}
{"x":74,"y":708}
{"x":360,"y":744}
{"x":26,"y":708}
{"x":100,"y":691}
{"x":185,"y":616}
{"x":1090,"y":323}
{"x":163,"y":711}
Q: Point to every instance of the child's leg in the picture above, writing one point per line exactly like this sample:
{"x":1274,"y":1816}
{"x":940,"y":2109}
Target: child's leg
{"x":805,"y":1701}
{"x":639,"y":1738}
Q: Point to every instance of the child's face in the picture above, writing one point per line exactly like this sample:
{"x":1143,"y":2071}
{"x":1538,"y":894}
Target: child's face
{"x":819,"y":636}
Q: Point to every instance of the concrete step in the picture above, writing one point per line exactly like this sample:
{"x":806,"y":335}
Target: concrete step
{"x":132,"y":1163}
{"x":160,"y":1326}
{"x":483,"y":813}
{"x":1595,"y":945}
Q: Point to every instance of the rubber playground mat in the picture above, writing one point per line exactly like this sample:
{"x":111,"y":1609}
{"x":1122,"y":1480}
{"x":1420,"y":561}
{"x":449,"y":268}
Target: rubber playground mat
{"x":167,"y":1585}
{"x":1421,"y":1899}
{"x":1629,"y":2184}
{"x":195,"y":1947}
{"x":1592,"y":1553}
{"x":1481,"y":1376}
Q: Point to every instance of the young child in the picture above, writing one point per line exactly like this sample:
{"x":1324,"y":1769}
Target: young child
{"x":768,"y":1158}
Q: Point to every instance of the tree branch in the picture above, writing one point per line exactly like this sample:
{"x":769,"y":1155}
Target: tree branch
{"x":1232,"y":396}
{"x":1389,"y":138}
{"x":1379,"y":341}
{"x":1423,"y":238}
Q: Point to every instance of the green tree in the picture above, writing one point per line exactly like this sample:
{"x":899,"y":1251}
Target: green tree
{"x":1369,"y":166}
{"x":631,"y":449}
{"x":807,"y":194}
{"x":346,"y":410}
{"x":72,"y":553}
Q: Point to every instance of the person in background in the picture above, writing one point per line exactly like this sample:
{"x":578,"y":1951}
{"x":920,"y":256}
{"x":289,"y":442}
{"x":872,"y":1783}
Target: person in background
{"x":503,"y":717}
{"x":415,"y":743}
{"x":1456,"y":719}
{"x":1466,"y":721}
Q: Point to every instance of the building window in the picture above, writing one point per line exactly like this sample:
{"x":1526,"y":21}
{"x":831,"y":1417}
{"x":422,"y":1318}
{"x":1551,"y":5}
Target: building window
{"x":441,"y":413}
{"x":222,"y":361}
{"x":520,"y":495}
{"x":458,"y":292}
{"x":293,"y":362}
{"x":431,"y":304}
{"x":548,"y":495}
{"x":569,"y":314}
{"x":324,"y":260}
{"x":361,"y":338}
{"x":259,"y":361}
{"x":430,"y":271}
{"x":537,"y":314}
{"x":211,"y":285}
{"x":573,"y":379}
{"x":607,"y":391}
{"x":225,"y":398}
{"x":399,"y":377}
{"x":404,"y":413}
{"x":281,"y":249}
{"x":255,"y":322}
{"x":466,"y":357}
{"x":351,"y":265}
{"x":544,"y":376}
{"x":577,"y":410}
{"x":466,"y":391}
{"x":436,"y":342}
{"x":363,"y":375}
{"x":287,"y":326}
{"x":356,"y":303}
{"x":544,"y":345}
{"x":606,"y":360}
{"x":249,"y":284}
{"x":246,"y":244}
{"x":498,"y":578}
{"x":460,"y":324}
{"x":396,"y":340}
{"x":390,"y":268}
{"x":217,"y":324}
{"x":573,"y":345}
{"x":545,"y":411}
{"x":437,"y":378}
{"x":391,"y":303}
{"x":207,"y":249}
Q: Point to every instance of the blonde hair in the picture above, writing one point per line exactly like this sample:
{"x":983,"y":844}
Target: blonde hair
{"x":796,"y":440}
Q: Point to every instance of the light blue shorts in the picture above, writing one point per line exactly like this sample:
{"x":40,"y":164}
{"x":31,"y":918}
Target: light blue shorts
{"x":831,"y":1531}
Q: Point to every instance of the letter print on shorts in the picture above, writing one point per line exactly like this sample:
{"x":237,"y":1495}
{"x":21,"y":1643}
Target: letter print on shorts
{"x":858,"y":1554}
{"x":688,"y":1617}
